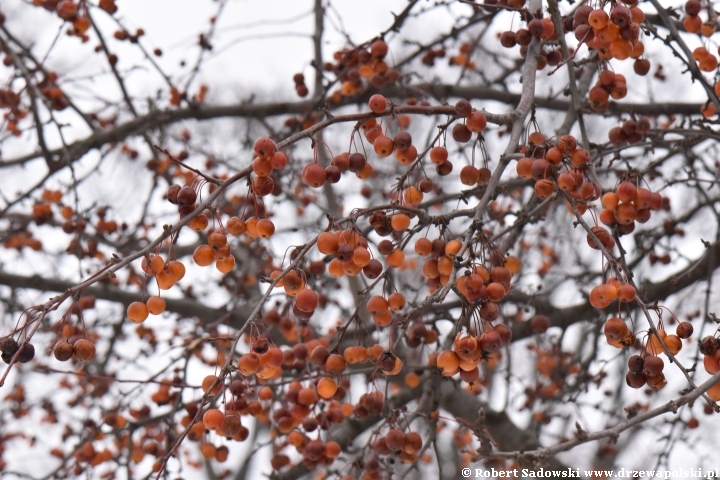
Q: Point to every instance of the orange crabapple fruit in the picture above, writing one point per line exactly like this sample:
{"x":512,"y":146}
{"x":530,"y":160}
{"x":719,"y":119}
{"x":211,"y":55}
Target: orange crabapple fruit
{"x":155,"y":305}
{"x":83,"y":350}
{"x":377,"y":103}
{"x":177,"y":269}
{"x":213,"y":419}
{"x":211,"y":382}
{"x":203,"y":255}
{"x":137,"y":312}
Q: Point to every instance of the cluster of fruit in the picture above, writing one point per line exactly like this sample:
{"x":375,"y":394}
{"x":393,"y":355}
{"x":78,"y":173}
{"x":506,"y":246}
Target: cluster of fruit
{"x":314,"y":452}
{"x":431,"y":54}
{"x":468,"y":351}
{"x":268,"y":159}
{"x":166,"y":275}
{"x":647,"y":368}
{"x":359,"y":68}
{"x":630,"y":131}
{"x":300,"y":87}
{"x":614,"y":35}
{"x":42,"y":210}
{"x":486,"y":286}
{"x":11,"y":100}
{"x":301,"y":408}
{"x":382,"y":308}
{"x":184,"y":197}
{"x":545,"y":159}
{"x":9,"y":348}
{"x":462,"y":59}
{"x":692,"y":21}
{"x":406,"y":445}
{"x":418,"y":334}
{"x":707,"y":62}
{"x":8,"y":98}
{"x":19,"y":240}
{"x":83,"y":350}
{"x":351,"y":252}
{"x":523,"y":37}
{"x":216,"y":250}
{"x":54,"y":95}
{"x":627,"y":205}
{"x":265,"y":365}
{"x":609,"y":84}
{"x":603,"y":295}
{"x":473,"y":122}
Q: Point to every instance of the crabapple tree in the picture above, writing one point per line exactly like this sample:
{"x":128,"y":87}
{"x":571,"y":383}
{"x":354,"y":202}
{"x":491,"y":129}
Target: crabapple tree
{"x":473,"y":235}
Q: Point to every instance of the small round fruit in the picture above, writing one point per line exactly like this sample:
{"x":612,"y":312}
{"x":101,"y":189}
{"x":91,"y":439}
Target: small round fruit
{"x":327,"y":243}
{"x":83,"y":350}
{"x":314,"y":175}
{"x":377,"y":305}
{"x":137,"y":312}
{"x":225,"y":265}
{"x":463,"y":107}
{"x":540,"y":323}
{"x":186,"y":196}
{"x":326,"y":388}
{"x":63,"y":351}
{"x":438,"y":155}
{"x":235,"y":226}
{"x":476,"y":122}
{"x":203,"y":255}
{"x":155,"y":305}
{"x":461,"y":133}
{"x":684,"y":330}
{"x":264,"y":147}
{"x":213,"y":419}
{"x":177,"y":269}
{"x":377,"y":103}
{"x":265,"y":228}
{"x":209,"y":382}
{"x":653,"y":365}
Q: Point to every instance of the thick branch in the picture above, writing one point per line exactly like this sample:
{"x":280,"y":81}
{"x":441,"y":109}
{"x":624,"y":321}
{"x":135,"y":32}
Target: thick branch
{"x":185,"y":307}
